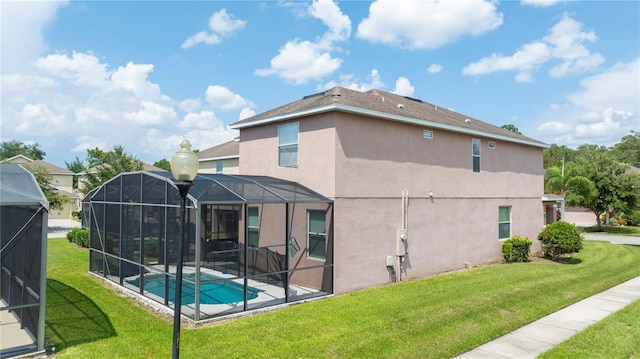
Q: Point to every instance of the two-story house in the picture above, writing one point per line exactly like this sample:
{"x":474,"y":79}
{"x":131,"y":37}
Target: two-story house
{"x":418,"y":189}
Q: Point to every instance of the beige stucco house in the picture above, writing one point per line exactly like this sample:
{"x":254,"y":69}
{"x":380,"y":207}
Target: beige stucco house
{"x":418,"y":189}
{"x":61,"y":181}
{"x":223,"y":158}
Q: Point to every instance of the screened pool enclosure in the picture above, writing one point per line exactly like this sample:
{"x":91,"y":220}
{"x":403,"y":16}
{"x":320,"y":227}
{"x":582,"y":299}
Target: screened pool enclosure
{"x":23,"y":257}
{"x":250,"y":241}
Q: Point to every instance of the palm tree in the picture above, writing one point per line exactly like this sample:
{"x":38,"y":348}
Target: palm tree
{"x":568,"y":182}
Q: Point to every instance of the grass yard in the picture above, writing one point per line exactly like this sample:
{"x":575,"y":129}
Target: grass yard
{"x":437,"y":317}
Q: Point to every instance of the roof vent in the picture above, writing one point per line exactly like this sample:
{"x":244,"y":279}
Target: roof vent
{"x":467,"y":121}
{"x":400,"y":106}
{"x":315,"y":95}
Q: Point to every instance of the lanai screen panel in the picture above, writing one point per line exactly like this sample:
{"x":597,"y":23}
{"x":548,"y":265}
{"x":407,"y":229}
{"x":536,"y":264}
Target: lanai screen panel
{"x":246,"y":241}
{"x":23,"y":218}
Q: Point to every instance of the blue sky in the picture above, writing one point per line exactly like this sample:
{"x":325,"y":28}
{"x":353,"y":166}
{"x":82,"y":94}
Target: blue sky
{"x":144,"y":75}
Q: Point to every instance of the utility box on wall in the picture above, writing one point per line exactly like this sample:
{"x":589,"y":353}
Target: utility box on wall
{"x":401,"y":242}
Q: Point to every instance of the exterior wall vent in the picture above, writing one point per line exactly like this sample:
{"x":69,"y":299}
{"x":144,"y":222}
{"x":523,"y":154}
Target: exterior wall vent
{"x":492,"y":144}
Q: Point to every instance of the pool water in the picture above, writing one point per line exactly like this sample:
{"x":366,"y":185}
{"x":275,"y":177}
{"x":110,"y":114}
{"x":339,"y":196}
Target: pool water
{"x":212,"y":290}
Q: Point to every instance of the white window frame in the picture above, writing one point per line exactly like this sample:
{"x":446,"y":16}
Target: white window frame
{"x":500,"y":223}
{"x":288,"y":145}
{"x":249,"y":226}
{"x":474,"y":155}
{"x":318,"y":234}
{"x":428,"y":134}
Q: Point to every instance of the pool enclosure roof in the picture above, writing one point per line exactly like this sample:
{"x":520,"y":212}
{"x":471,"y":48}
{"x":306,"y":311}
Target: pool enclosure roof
{"x":159,"y":187}
{"x":19,"y":187}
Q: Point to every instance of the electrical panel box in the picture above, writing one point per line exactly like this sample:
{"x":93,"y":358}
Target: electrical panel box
{"x":401,"y":242}
{"x":389,"y":261}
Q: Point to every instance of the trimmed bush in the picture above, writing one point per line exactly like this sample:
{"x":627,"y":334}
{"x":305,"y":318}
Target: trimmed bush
{"x":633,"y":218}
{"x":560,"y":238}
{"x":516,"y":249}
{"x":76,"y":215}
{"x":79,"y":236}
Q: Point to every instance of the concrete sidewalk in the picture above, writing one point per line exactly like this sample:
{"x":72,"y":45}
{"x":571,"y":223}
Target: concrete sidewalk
{"x":547,"y":332}
{"x":58,"y":228}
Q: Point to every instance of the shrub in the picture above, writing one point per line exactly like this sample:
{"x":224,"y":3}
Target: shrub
{"x":560,"y":238}
{"x":516,"y":249}
{"x":76,"y":215}
{"x":79,"y":236}
{"x":633,"y":218}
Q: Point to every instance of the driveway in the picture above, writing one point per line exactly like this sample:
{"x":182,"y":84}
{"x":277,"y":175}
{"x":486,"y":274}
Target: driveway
{"x":58,"y":228}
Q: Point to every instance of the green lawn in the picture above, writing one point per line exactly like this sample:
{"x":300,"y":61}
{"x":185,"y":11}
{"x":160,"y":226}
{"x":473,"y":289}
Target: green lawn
{"x":437,"y":317}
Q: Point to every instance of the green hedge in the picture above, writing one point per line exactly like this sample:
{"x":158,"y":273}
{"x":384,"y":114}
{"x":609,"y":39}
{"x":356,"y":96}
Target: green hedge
{"x":79,"y":236}
{"x":516,"y":249}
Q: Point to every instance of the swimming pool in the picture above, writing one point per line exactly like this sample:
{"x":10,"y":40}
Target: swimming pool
{"x":212,"y":289}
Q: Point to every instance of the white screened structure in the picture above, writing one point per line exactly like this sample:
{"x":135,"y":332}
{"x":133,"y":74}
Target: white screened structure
{"x":23,"y":258}
{"x":250,"y":241}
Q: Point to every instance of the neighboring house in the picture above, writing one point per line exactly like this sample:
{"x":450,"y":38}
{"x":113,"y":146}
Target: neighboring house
{"x":61,"y":181}
{"x":222,"y":158}
{"x":418,"y":189}
{"x":82,"y":176}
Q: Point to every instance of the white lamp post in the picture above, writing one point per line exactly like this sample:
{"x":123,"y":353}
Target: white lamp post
{"x":184,"y":167}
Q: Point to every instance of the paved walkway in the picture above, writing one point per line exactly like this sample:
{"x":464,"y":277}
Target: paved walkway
{"x":58,"y":228}
{"x":545,"y":333}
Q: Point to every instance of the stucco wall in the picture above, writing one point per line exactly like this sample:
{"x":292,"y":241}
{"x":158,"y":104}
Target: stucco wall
{"x":364,"y":164}
{"x":229,"y":166}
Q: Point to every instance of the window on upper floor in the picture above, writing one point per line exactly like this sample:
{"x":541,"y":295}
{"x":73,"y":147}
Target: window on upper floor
{"x":219,"y":166}
{"x":475,"y":148}
{"x":288,"y":145}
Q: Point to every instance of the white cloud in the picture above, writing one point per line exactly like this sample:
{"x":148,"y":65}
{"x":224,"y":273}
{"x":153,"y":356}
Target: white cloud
{"x":528,"y":57}
{"x":224,"y":99}
{"x":28,"y":19}
{"x":246,"y":113}
{"x":565,"y":42}
{"x":435,"y":68}
{"x":221,"y":24}
{"x":202,"y":120}
{"x":603,"y":110}
{"x":82,"y":69}
{"x":78,"y":102}
{"x":151,"y":114}
{"x":300,"y":61}
{"x":351,"y":82}
{"x":416,"y":24}
{"x":403,"y":87}
{"x":540,"y":3}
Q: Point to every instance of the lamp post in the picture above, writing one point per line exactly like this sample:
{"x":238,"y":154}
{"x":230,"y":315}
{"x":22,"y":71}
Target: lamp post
{"x":184,"y":167}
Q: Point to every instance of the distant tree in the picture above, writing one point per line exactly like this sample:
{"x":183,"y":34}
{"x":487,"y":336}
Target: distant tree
{"x":76,"y":166}
{"x":555,"y":155}
{"x":614,"y":186}
{"x":164,"y":164}
{"x":567,"y":180}
{"x":628,"y":149}
{"x":511,"y":128}
{"x":13,"y":148}
{"x":103,"y":166}
{"x":44,"y":179}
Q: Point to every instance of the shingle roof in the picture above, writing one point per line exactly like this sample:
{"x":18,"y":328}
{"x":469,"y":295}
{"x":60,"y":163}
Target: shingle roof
{"x":227,"y":149}
{"x":386,"y":105}
{"x":51,"y":168}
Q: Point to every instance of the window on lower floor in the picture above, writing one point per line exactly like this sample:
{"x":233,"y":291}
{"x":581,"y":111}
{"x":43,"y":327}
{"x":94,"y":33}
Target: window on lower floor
{"x":253,"y":227}
{"x":504,"y":223}
{"x":317,"y":234}
{"x":219,"y":166}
